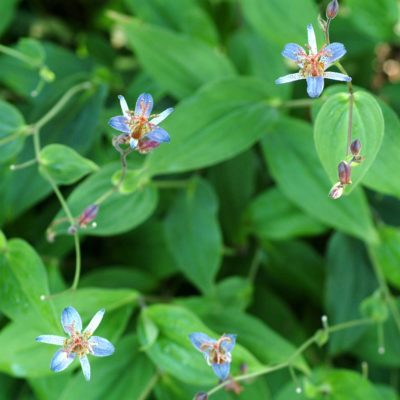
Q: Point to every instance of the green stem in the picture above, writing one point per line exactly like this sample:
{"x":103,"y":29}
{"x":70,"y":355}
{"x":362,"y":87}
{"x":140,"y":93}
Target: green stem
{"x":171,"y":184}
{"x":298,"y":103}
{"x":77,"y":262}
{"x":328,"y":23}
{"x":18,"y":55}
{"x":255,"y":264}
{"x":149,"y":387}
{"x":26,"y":164}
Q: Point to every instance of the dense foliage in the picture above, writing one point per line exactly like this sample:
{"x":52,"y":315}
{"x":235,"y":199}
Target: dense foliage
{"x":262,"y":210}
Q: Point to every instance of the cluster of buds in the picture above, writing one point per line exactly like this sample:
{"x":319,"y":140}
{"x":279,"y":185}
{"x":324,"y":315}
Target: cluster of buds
{"x":344,"y":170}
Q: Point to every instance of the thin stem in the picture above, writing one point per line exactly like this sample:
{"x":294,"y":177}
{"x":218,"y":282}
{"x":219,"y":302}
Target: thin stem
{"x":149,"y":387}
{"x":18,"y":55}
{"x":298,"y":103}
{"x":77,"y":262}
{"x":9,"y":138}
{"x":255,"y":264}
{"x":26,"y":164}
{"x":171,"y":184}
{"x":328,"y":23}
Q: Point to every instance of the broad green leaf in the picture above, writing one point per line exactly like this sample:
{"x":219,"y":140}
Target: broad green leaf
{"x":281,"y":21}
{"x":382,"y":175}
{"x":7,"y":13}
{"x":118,"y":213}
{"x":193,"y":234}
{"x":335,"y":384}
{"x":386,"y":253}
{"x":11,"y":131}
{"x":289,"y":150}
{"x":330,"y":133}
{"x":237,"y":116}
{"x":63,"y":164}
{"x":179,"y":64}
{"x":23,"y":281}
{"x":33,"y":50}
{"x":272,"y":216}
{"x":174,"y":353}
{"x":350,"y":280}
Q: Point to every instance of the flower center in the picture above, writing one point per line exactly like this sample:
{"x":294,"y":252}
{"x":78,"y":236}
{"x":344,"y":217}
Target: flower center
{"x":217,"y":354}
{"x":313,"y":65}
{"x":78,"y":343}
{"x":138,"y":125}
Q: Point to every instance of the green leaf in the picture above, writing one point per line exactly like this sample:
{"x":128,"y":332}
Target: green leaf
{"x":11,"y":128}
{"x":237,"y":117}
{"x":330,"y":133}
{"x":287,"y":20}
{"x":24,"y":281}
{"x":272,"y":216}
{"x":64,"y":165}
{"x":349,"y":278}
{"x":382,"y":175}
{"x":7,"y":13}
{"x":193,"y":234}
{"x":178,"y":63}
{"x":174,"y":353}
{"x":118,"y":213}
{"x":33,"y":50}
{"x":289,"y":148}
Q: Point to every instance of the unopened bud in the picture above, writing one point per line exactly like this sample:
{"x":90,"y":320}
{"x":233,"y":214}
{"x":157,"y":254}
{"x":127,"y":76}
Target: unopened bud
{"x":336,"y":191}
{"x":322,"y":23}
{"x":355,"y":147}
{"x":201,"y":396}
{"x":332,"y":9}
{"x":344,"y":173}
{"x":88,"y":215}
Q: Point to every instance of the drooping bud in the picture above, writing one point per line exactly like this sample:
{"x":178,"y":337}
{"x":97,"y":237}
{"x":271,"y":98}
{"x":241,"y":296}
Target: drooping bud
{"x":88,"y":215}
{"x":201,"y":396}
{"x":344,"y":173}
{"x":336,"y":191}
{"x":332,"y":9}
{"x":355,"y":147}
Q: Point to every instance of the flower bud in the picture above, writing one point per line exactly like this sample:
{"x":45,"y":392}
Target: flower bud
{"x":332,"y":9}
{"x":201,"y":396}
{"x":88,"y":215}
{"x":355,"y":147}
{"x":344,"y":172}
{"x":336,"y":191}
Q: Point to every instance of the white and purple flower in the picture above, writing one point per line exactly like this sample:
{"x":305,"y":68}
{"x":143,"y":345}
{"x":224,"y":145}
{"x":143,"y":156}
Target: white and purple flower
{"x":216,"y":352}
{"x":313,"y":65}
{"x":140,"y":128}
{"x":78,"y":344}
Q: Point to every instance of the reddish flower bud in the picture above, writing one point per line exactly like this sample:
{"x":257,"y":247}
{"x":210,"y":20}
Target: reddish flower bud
{"x":201,"y":396}
{"x":336,"y":191}
{"x":332,"y":9}
{"x":88,"y":215}
{"x":344,"y":172}
{"x":355,"y":147}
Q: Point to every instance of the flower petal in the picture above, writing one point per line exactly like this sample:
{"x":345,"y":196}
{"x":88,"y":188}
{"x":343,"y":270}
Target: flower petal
{"x":289,"y":78}
{"x":333,"y":51}
{"x":133,"y":143}
{"x":101,"y":347}
{"x":146,"y":146}
{"x":85,"y":367}
{"x":144,"y":105}
{"x":61,"y":360}
{"x":124,"y":105}
{"x":294,"y":52}
{"x":315,"y":86}
{"x":160,"y":117}
{"x":95,"y":321}
{"x":228,"y":345}
{"x":51,"y":339}
{"x":337,"y":76}
{"x":222,"y":370}
{"x":159,"y":135}
{"x":312,"y":41}
{"x":201,"y":340}
{"x":71,"y":320}
{"x":119,"y":123}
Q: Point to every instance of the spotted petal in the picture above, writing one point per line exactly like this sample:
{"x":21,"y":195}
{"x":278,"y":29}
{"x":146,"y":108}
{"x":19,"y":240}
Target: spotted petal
{"x":315,"y":86}
{"x":312,"y":41}
{"x":289,"y":78}
{"x":95,"y":321}
{"x":144,"y":105}
{"x":294,"y":52}
{"x":337,"y":76}
{"x":61,"y":360}
{"x":160,"y":117}
{"x":71,"y":320}
{"x":333,"y":51}
{"x":159,"y":135}
{"x":228,"y":345}
{"x":85,"y":367}
{"x":222,"y":370}
{"x":101,"y":347}
{"x":124,"y":105}
{"x":200,"y":341}
{"x":51,"y":339}
{"x":119,"y":123}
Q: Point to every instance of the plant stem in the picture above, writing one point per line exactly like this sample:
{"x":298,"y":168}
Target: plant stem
{"x":298,"y":103}
{"x":149,"y":387}
{"x":171,"y":184}
{"x":26,"y":164}
{"x":255,"y":264}
{"x":18,"y":55}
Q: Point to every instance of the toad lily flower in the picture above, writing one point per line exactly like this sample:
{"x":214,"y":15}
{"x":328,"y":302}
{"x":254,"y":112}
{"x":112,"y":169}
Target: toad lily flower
{"x":216,"y":352}
{"x":139,"y":132}
{"x":78,"y":343}
{"x":313,"y":66}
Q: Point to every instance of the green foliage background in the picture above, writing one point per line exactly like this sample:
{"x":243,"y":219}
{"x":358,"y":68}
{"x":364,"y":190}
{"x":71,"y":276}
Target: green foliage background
{"x":227,"y":229}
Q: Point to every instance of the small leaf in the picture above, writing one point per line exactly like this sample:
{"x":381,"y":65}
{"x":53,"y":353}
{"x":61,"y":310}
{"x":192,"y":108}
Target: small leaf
{"x":193,"y":234}
{"x":64,"y":164}
{"x":330,"y":133}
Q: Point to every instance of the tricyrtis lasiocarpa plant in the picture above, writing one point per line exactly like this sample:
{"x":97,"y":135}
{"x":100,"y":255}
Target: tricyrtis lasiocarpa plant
{"x":313,"y":64}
